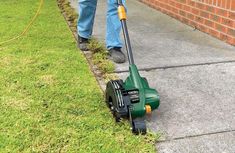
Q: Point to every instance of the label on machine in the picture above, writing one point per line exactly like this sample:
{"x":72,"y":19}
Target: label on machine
{"x":134,"y":95}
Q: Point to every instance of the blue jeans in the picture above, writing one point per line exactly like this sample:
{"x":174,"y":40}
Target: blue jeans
{"x":87,"y":9}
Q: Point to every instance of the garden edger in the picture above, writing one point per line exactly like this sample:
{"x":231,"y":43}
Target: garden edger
{"x":133,"y":98}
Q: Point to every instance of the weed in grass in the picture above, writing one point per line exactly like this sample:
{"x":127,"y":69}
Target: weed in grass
{"x":100,"y":57}
{"x":96,"y":47}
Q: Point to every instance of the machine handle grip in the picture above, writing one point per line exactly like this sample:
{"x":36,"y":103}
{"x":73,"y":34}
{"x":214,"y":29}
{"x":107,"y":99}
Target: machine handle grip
{"x":122,"y":12}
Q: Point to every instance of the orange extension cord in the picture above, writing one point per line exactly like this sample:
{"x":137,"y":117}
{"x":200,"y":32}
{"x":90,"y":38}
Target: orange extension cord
{"x":27,"y":27}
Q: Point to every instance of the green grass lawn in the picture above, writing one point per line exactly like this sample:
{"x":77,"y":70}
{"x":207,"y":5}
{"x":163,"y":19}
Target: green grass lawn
{"x":49,"y":99}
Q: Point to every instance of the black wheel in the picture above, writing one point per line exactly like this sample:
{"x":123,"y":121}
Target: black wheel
{"x":111,"y":97}
{"x":139,"y":126}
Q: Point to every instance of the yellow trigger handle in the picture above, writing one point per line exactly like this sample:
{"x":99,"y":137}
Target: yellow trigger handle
{"x":121,"y":12}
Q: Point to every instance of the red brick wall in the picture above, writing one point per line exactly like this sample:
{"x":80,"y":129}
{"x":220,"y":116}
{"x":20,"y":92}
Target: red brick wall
{"x":215,"y":17}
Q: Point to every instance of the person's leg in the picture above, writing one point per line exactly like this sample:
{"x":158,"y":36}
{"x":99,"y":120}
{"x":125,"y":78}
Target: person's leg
{"x":113,"y":40}
{"x":87,"y":9}
{"x":113,"y":26}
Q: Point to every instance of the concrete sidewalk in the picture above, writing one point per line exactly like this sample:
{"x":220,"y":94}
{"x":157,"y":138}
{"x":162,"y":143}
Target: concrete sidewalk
{"x":194,"y":74}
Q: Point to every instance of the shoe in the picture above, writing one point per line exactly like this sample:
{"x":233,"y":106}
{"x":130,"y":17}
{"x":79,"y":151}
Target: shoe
{"x":116,"y":55}
{"x":83,"y":43}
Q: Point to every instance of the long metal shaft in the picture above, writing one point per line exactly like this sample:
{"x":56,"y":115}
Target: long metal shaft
{"x":127,"y":42}
{"x":126,"y":36}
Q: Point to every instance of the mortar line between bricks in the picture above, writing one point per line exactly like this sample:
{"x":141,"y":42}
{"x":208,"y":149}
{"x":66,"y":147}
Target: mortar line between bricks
{"x":178,"y":66}
{"x":194,"y":136}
